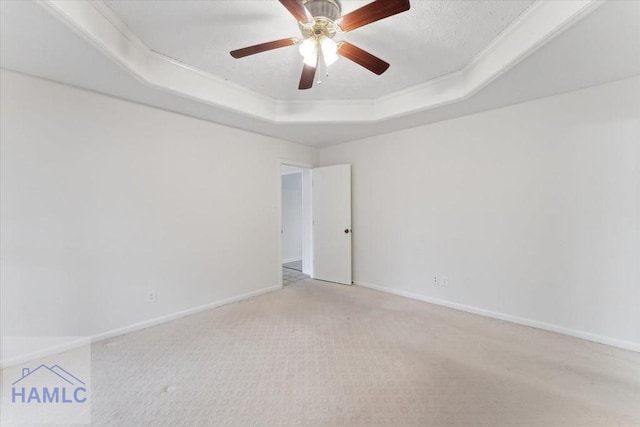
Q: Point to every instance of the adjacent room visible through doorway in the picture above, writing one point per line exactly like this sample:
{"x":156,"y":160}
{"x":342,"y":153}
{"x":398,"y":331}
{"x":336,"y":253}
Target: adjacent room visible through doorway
{"x":294,"y":238}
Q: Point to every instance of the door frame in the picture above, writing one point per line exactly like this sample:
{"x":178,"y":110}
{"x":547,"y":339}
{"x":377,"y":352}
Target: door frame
{"x":307,"y":241}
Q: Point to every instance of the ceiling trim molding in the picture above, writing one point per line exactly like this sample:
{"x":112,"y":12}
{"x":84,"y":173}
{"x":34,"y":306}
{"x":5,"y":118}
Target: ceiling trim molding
{"x":98,"y":24}
{"x":535,"y":27}
{"x":94,"y":21}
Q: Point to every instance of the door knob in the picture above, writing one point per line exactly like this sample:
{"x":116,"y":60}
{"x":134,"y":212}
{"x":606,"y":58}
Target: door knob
{"x":346,"y":230}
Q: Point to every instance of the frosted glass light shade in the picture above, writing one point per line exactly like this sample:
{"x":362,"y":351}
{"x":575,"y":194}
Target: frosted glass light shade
{"x":329,"y":50}
{"x":309,"y":51}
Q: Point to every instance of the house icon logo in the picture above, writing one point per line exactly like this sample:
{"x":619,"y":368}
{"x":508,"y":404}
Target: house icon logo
{"x":50,"y":385}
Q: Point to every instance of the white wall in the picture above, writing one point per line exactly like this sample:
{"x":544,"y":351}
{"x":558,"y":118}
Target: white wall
{"x":292,"y":217}
{"x":532,"y":211}
{"x":104,"y":199}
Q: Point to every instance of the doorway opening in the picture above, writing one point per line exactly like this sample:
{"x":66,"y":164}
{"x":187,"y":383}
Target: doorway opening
{"x":296,"y":252}
{"x":315,"y":222}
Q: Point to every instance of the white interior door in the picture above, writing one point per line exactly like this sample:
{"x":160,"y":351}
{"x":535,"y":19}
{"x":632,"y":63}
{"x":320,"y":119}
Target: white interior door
{"x":331,"y":206}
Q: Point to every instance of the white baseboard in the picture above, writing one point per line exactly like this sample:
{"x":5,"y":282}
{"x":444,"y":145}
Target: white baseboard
{"x":284,"y":261}
{"x":45,"y":352}
{"x":130,"y":328}
{"x":614,"y":342}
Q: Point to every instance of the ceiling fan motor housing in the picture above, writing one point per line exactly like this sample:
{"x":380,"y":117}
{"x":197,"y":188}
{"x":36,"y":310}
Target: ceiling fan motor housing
{"x":325,"y":13}
{"x":329,"y":9}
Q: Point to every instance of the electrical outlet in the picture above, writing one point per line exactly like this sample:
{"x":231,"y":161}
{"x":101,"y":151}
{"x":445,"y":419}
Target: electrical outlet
{"x":152,"y":296}
{"x":444,"y":281}
{"x":435,"y":280}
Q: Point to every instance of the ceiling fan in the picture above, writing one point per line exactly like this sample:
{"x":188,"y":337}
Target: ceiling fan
{"x":320,"y":21}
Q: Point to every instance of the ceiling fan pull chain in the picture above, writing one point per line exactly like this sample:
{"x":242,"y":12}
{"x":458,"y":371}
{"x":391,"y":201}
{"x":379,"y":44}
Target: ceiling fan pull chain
{"x":322,"y":68}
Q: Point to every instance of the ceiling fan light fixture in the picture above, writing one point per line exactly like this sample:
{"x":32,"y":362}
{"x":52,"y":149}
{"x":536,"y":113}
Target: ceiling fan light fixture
{"x":309,"y":51}
{"x":329,"y":50}
{"x":319,"y":21}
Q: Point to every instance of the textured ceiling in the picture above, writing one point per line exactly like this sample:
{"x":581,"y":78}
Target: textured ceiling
{"x":432,"y":39}
{"x":601,"y":47}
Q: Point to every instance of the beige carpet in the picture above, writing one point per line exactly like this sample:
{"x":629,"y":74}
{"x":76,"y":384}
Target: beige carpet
{"x":319,"y":354}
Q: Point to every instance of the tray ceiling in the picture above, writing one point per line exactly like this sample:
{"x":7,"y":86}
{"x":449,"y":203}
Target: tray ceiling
{"x":432,"y":39}
{"x":553,"y":47}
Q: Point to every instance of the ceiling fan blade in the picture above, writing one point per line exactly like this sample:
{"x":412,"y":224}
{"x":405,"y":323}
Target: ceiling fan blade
{"x":362,"y":57}
{"x":374,"y":11}
{"x":262,"y":47}
{"x":307,"y":77}
{"x":297,"y":9}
